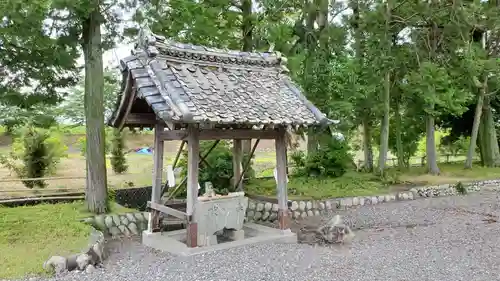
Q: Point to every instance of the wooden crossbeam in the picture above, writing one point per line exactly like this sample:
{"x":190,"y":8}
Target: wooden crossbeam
{"x":167,"y":210}
{"x":218,"y":134}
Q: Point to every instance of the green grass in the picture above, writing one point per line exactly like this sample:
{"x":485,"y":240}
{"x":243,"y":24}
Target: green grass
{"x":31,"y":235}
{"x":351,"y":184}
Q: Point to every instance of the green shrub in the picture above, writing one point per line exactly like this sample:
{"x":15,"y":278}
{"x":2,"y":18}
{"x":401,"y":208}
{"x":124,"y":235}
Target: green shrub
{"x":35,"y":154}
{"x":118,"y":160}
{"x":219,"y":170}
{"x":82,"y":143}
{"x":332,"y":159}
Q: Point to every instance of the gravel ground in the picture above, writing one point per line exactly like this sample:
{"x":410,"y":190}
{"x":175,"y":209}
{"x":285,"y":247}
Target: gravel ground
{"x":451,"y":238}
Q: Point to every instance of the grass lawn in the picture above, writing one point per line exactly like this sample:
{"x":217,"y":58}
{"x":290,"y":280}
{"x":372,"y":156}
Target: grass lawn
{"x":30,"y":235}
{"x":360,"y":184}
{"x":351,"y":184}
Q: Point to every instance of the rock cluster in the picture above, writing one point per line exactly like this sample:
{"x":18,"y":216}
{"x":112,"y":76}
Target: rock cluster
{"x":128,"y":224}
{"x":87,"y":260}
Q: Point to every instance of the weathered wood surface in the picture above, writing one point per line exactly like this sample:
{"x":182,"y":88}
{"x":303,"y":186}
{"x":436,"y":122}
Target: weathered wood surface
{"x":218,"y":134}
{"x":154,"y":218}
{"x":168,"y":210}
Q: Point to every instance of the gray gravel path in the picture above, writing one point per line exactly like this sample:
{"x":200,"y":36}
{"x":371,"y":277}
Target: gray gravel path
{"x":451,"y":238}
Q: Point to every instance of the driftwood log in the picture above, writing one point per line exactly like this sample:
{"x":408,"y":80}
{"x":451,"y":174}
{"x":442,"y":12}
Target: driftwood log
{"x":334,"y":231}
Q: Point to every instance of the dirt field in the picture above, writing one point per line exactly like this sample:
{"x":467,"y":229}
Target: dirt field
{"x":72,"y":168}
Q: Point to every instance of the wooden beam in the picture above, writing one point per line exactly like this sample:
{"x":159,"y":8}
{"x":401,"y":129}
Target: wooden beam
{"x":216,"y":134}
{"x":141,"y":119}
{"x":167,"y":210}
{"x":154,"y":223}
{"x":192,"y":183}
{"x":281,"y":186}
{"x":237,"y":162}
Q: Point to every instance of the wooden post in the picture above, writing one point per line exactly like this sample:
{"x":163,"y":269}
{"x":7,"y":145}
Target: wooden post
{"x":192,"y":183}
{"x":281,"y":185}
{"x":237,"y":160}
{"x":154,"y":223}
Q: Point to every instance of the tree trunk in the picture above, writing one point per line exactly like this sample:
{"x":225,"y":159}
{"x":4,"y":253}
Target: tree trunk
{"x":488,"y":136}
{"x":247,"y":29}
{"x":399,"y":141}
{"x":96,"y":190}
{"x":475,"y":126}
{"x":367,"y":145}
{"x":431,"y":155}
{"x":384,"y":131}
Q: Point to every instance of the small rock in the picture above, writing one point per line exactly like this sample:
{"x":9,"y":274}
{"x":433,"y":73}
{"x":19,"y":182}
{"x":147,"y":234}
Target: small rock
{"x":303,"y":215}
{"x":296,"y":214}
{"x":368,"y":201}
{"x":71,"y":263}
{"x":321,"y":205}
{"x":108,"y":220}
{"x":310,"y":213}
{"x":56,"y":263}
{"x":260,"y":207}
{"x":82,"y":261}
{"x":317,"y":213}
{"x":410,"y":196}
{"x":302,"y":206}
{"x":361,"y":201}
{"x":309,"y":205}
{"x":393,"y":197}
{"x":315,"y":204}
{"x":337,"y":204}
{"x":405,"y":196}
{"x":268,"y":206}
{"x":90,"y":268}
{"x":374,"y":200}
{"x":99,"y":222}
{"x":381,"y":198}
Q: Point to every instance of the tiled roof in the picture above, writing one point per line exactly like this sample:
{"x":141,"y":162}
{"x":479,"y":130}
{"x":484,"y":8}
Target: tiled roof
{"x":193,"y":84}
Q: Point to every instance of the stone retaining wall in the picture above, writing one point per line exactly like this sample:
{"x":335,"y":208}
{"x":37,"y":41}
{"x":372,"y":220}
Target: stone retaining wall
{"x":265,"y":211}
{"x":124,"y":224}
{"x":134,"y":223}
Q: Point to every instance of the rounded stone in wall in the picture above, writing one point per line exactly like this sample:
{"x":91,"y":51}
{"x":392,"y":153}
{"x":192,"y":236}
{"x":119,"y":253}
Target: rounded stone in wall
{"x":374,"y":200}
{"x":250,"y":213}
{"x":302,"y":206}
{"x":355,"y":201}
{"x":387,"y":198}
{"x":368,"y":201}
{"x":321,"y":205}
{"x":303,"y":215}
{"x":309,"y":205}
{"x":296,"y":214}
{"x":361,"y":201}
{"x":328,"y":205}
{"x":257,"y":215}
{"x":123,"y":229}
{"x":99,"y":222}
{"x":114,"y":231}
{"x":276,"y":207}
{"x":251,"y":205}
{"x":273,"y":216}
{"x":268,"y":206}
{"x":260,"y":207}
{"x":145,"y":216}
{"x":130,"y":217}
{"x":310,"y":213}
{"x":116,"y":220}
{"x":133,"y":228}
{"x":124,"y":220}
{"x":316,"y":212}
{"x":410,"y":195}
{"x":346,"y":202}
{"x":265,"y":215}
{"x":404,"y":196}
{"x":337,"y":203}
{"x":315,"y":204}
{"x":139,"y":216}
{"x":381,"y":198}
{"x":108,"y":220}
